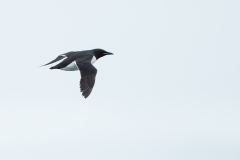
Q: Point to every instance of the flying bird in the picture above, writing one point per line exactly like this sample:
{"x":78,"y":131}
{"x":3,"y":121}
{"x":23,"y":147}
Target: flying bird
{"x":83,"y":61}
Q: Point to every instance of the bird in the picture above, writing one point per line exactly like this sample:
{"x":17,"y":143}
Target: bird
{"x":82,"y":61}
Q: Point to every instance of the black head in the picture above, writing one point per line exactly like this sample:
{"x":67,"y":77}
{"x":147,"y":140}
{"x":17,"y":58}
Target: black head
{"x":98,"y":53}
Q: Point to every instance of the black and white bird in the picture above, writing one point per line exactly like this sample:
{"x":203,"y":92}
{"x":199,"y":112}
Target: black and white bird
{"x":81,"y":60}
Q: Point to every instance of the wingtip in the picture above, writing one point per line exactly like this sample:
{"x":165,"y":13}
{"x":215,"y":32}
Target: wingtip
{"x":85,"y":96}
{"x":41,"y":66}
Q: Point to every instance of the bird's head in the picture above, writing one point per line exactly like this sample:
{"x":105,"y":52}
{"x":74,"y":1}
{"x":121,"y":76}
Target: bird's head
{"x":98,"y":53}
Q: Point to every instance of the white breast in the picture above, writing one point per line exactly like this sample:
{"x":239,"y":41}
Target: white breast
{"x":71,"y":67}
{"x":93,"y":59}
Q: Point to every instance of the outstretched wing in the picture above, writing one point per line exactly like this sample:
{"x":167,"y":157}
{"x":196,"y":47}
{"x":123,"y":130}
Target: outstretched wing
{"x":88,"y":74}
{"x":60,"y":57}
{"x":68,"y":54}
{"x":55,"y":60}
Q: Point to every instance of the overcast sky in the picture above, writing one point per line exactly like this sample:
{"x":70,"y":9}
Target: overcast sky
{"x":170,"y":92}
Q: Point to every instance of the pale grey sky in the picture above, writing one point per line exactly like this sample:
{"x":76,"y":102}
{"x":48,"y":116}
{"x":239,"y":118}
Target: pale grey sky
{"x":170,"y":92}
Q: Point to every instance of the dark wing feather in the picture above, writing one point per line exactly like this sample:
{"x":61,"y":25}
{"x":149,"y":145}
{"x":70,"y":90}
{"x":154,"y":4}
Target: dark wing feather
{"x":60,"y":57}
{"x":55,"y":60}
{"x":88,"y":74}
{"x":68,"y":54}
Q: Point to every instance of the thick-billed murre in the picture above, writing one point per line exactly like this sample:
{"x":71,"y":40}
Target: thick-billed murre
{"x":81,"y":60}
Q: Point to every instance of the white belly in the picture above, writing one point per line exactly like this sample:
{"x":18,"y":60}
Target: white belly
{"x":71,"y":67}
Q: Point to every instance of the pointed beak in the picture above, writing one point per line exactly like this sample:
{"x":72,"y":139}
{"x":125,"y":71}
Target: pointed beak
{"x":109,"y":53}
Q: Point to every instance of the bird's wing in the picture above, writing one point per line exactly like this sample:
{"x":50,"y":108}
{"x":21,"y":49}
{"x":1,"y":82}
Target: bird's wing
{"x":60,"y":57}
{"x":55,"y":60}
{"x":68,"y":54}
{"x":88,"y":74}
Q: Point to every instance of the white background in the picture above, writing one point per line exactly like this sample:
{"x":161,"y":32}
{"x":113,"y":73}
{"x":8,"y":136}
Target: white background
{"x":170,"y":92}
